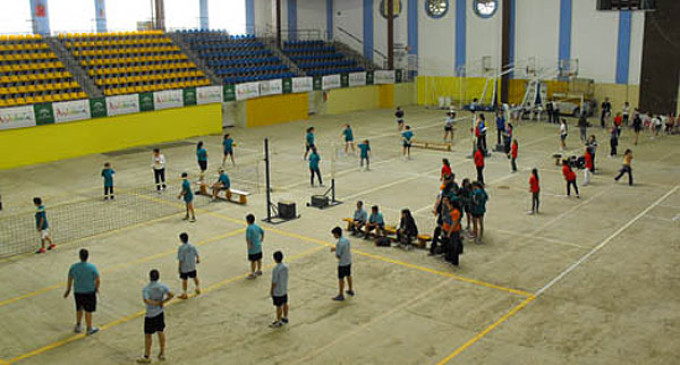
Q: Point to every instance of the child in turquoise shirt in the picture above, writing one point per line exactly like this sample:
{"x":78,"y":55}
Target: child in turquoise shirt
{"x":314,"y":159}
{"x":107,"y":174}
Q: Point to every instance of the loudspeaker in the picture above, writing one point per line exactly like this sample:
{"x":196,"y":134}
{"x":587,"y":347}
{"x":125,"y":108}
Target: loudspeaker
{"x":320,"y":201}
{"x":287,"y":210}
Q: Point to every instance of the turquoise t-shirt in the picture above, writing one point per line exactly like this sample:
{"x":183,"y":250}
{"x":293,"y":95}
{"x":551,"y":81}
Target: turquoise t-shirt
{"x":40,"y":213}
{"x":107,"y":174}
{"x":83,"y":275}
{"x":186,"y":189}
{"x":202,"y":154}
{"x":376,"y":218}
{"x":314,"y":159}
{"x":364,"y":149}
{"x":224,"y":179}
{"x":349,"y":136}
{"x":254,"y":234}
{"x":227,"y":143}
{"x":310,"y":138}
{"x":407,"y":135}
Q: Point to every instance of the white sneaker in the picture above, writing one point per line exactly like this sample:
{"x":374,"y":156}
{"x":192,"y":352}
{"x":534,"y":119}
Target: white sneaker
{"x":78,"y":329}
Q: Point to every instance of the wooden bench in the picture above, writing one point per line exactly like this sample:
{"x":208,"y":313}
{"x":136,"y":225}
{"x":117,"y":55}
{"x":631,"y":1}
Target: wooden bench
{"x":421,"y":240}
{"x":439,"y":146}
{"x":242,"y":196}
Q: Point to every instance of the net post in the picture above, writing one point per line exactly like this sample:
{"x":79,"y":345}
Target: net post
{"x":267,"y":179}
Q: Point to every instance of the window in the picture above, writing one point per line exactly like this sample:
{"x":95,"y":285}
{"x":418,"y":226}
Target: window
{"x":396,"y":4}
{"x":15,"y":17}
{"x":229,"y":15}
{"x":436,"y":8}
{"x":485,"y":8}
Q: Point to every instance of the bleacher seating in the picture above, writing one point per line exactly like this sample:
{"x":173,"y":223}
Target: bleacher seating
{"x":133,"y":62}
{"x":236,"y":58}
{"x":30,"y":73}
{"x":317,"y":58}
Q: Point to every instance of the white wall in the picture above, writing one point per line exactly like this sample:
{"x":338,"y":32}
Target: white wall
{"x":380,"y":29}
{"x":436,"y":43}
{"x":349,"y":14}
{"x":483,"y":38}
{"x":537,"y":32}
{"x":636,"y":41}
{"x":263,"y":15}
{"x":594,"y":39}
{"x":312,"y":15}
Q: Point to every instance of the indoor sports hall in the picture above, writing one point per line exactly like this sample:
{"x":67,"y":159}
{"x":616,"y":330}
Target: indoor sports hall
{"x":179,"y":182}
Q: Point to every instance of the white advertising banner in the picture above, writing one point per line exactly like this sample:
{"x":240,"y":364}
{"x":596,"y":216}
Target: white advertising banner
{"x":357,"y":79}
{"x":208,"y":95}
{"x":383,"y":77}
{"x":247,"y":91}
{"x":17,"y":117}
{"x":69,"y":111}
{"x":168,"y":99}
{"x":330,"y":82}
{"x":122,"y":104}
{"x":271,"y":87}
{"x":303,"y":84}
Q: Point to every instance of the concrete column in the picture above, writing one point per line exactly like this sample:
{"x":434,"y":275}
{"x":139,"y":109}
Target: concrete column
{"x":100,"y":15}
{"x":40,"y":17}
{"x":205,"y":24}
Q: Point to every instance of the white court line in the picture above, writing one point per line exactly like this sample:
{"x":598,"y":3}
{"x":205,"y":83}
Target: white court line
{"x":606,"y":241}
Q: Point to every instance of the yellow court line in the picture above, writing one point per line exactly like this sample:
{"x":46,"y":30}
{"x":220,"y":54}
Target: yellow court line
{"x":130,"y":317}
{"x":486,"y":331}
{"x":120,"y":266}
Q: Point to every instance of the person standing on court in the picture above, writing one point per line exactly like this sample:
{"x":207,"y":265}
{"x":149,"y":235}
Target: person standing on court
{"x":626,"y":168}
{"x":155,"y":295}
{"x":254,"y":238}
{"x":202,"y":158}
{"x":344,"y":256}
{"x":158,"y":166}
{"x":583,"y":126}
{"x":84,"y":278}
{"x":606,"y":111}
{"x":479,"y":165}
{"x":187,"y":255}
{"x":535,"y":190}
{"x":279,"y":290}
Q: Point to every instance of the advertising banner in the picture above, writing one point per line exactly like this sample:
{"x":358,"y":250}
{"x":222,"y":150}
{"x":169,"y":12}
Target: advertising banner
{"x":208,"y":95}
{"x":17,"y":117}
{"x":303,"y":84}
{"x":69,"y":111}
{"x":317,"y":83}
{"x":229,"y":93}
{"x":146,"y":102}
{"x":189,"y":96}
{"x":247,"y":91}
{"x":287,"y":86}
{"x":271,"y":87}
{"x":98,"y":107}
{"x":331,"y":82}
{"x":122,"y":104}
{"x":43,"y":113}
{"x":167,"y":99}
{"x":369,"y":78}
{"x":384,"y":77}
{"x":357,"y":79}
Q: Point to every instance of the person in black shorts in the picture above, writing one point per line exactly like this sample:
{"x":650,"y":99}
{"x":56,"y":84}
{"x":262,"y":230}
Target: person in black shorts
{"x":400,"y":118}
{"x":344,"y":256}
{"x":84,"y":278}
{"x":279,"y":290}
{"x":155,"y":295}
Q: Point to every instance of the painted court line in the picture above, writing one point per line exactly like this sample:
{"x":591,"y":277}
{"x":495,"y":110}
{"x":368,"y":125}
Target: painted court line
{"x":130,"y":317}
{"x":121,"y":266}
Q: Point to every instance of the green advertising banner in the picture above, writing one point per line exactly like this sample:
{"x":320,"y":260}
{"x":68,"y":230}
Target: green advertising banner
{"x":287,"y":86}
{"x":229,"y":92}
{"x":398,"y":76}
{"x":44,"y":114}
{"x":344,"y":80}
{"x":317,"y":83}
{"x":98,"y":108}
{"x":189,"y":96}
{"x":369,"y":78}
{"x":146,"y":102}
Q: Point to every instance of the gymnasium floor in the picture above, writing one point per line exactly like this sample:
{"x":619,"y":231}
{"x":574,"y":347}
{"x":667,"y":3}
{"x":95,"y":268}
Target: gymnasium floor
{"x":591,"y":280}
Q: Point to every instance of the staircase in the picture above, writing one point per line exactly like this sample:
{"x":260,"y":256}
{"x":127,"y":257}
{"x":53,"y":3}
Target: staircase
{"x":352,"y":54}
{"x":193,"y":57}
{"x":73,"y":66}
{"x":270,"y":44}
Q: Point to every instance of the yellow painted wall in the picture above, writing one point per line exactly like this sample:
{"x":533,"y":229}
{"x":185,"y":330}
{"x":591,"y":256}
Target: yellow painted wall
{"x":386,"y":96}
{"x":464,"y":89}
{"x":353,"y":99}
{"x":405,"y":94}
{"x":618,"y":94}
{"x":276,"y":109}
{"x":27,"y":146}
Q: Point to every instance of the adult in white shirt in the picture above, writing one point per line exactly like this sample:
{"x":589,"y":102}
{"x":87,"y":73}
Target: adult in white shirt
{"x":158,"y":166}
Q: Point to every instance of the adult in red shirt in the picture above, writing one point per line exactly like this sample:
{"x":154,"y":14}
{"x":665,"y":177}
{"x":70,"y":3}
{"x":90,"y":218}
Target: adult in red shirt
{"x":513,"y":155}
{"x":535,"y":190}
{"x":570,"y":176}
{"x":446,"y":169}
{"x":589,"y":167}
{"x":479,"y":164}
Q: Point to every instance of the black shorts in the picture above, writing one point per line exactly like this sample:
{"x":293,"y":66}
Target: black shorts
{"x":309,"y":147}
{"x":154,"y":324}
{"x":255,"y":256}
{"x":279,"y":301}
{"x":407,"y":144}
{"x":448,"y":128}
{"x":228,"y":152}
{"x":344,"y":271}
{"x":86,"y":301}
{"x":203,"y":165}
{"x":187,"y":275}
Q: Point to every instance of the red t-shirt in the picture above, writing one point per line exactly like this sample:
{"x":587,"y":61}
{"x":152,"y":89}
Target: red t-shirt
{"x":618,"y":120}
{"x":479,"y":158}
{"x":533,"y":183}
{"x":514,"y":149}
{"x":568,"y":173}
{"x":589,"y":160}
{"x":446,"y":171}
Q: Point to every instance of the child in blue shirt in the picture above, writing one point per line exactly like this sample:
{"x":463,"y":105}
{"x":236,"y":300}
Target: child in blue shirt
{"x":42,"y":225}
{"x":188,"y":196}
{"x":309,"y":141}
{"x":223,"y":183}
{"x":375,"y":221}
{"x":349,"y":138}
{"x":359,"y":219}
{"x":314,"y":159}
{"x":400,"y":118}
{"x":107,"y":174}
{"x":406,"y":137}
{"x":365,"y":148}
{"x":202,"y":157}
{"x":228,"y":145}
